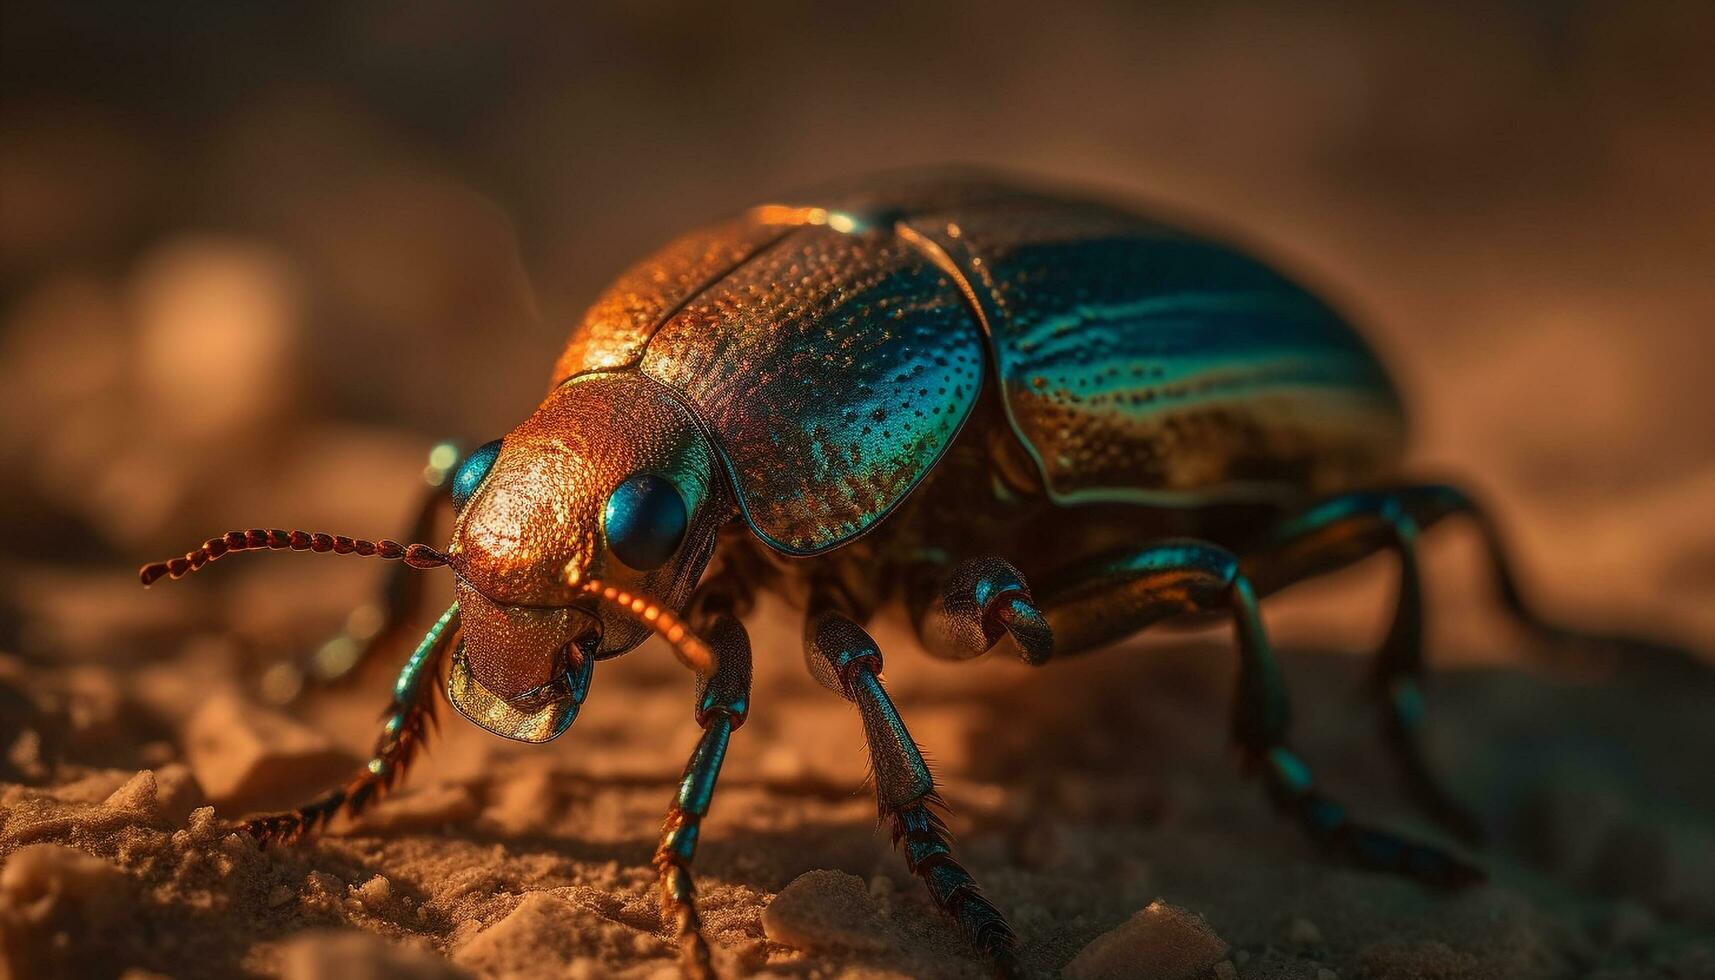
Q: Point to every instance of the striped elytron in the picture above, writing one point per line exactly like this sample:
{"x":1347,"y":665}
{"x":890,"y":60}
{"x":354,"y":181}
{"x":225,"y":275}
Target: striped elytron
{"x":1041,"y":422}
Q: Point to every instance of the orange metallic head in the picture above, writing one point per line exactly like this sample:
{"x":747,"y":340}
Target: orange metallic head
{"x":576,"y":536}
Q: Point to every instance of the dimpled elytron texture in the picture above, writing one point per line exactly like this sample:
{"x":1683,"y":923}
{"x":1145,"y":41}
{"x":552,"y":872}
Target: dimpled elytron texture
{"x":1141,"y":363}
{"x":834,"y":369}
{"x":539,"y":510}
{"x":613,"y":332}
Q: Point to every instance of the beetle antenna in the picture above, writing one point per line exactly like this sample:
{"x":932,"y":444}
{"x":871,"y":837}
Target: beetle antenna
{"x":687,"y":646}
{"x":258,"y":539}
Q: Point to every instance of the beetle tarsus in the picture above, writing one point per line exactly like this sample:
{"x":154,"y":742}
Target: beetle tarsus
{"x":409,"y":719}
{"x":920,"y":833}
{"x":1327,"y":822}
{"x":394,"y":752}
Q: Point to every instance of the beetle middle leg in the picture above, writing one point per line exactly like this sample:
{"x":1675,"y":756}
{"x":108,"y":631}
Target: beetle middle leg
{"x":408,"y":720}
{"x":1126,"y":591}
{"x":844,"y":659}
{"x":722,"y":704}
{"x":963,"y":611}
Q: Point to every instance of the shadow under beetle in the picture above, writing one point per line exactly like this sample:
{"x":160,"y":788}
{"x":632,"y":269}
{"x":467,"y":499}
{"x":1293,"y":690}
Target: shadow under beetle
{"x":1042,"y":422}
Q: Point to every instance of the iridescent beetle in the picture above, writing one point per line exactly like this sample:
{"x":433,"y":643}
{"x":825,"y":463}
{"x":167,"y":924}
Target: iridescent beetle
{"x":1038,"y":420}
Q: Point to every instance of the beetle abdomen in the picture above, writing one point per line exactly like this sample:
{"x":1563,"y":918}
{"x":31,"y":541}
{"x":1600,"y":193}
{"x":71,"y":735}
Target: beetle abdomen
{"x":1138,"y":363}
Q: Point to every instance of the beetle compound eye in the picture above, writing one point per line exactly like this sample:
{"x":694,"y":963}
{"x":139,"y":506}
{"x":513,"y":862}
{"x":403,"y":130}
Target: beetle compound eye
{"x":645,"y":521}
{"x":473,"y":471}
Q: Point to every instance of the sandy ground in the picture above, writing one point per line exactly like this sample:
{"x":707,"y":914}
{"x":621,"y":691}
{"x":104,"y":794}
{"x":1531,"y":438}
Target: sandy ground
{"x":1080,"y":795}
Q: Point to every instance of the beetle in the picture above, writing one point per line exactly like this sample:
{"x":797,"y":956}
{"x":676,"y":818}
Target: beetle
{"x":1041,"y":421}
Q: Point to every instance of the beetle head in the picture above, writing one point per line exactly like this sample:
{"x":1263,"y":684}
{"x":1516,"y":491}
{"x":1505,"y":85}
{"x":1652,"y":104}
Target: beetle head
{"x":577,"y":535}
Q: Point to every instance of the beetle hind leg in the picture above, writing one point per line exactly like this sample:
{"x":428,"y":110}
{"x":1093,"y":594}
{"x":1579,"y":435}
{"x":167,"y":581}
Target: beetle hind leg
{"x":409,"y":720}
{"x":1338,"y":531}
{"x":1397,"y":683}
{"x":844,"y":659}
{"x":1128,"y":591}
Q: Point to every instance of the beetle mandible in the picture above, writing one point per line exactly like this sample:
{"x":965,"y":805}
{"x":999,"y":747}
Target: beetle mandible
{"x":1042,"y":422}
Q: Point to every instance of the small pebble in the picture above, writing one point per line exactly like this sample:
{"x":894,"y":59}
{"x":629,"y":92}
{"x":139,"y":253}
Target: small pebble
{"x":1323,"y":973}
{"x":374,"y":893}
{"x":1303,"y":932}
{"x":1160,"y":942}
{"x":137,"y":795}
{"x":247,"y":757}
{"x":279,"y":895}
{"x":329,"y":955}
{"x":1225,"y":970}
{"x":826,"y":910}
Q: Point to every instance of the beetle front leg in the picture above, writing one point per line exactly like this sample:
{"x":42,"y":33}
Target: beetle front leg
{"x":962,"y":612}
{"x":408,"y":720}
{"x":845,"y":660}
{"x":723,"y":702}
{"x":381,"y":623}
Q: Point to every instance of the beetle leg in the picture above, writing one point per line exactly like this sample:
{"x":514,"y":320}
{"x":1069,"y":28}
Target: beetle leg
{"x":1430,"y":503}
{"x":381,"y":624}
{"x":963,"y":612}
{"x":1335,"y":532}
{"x":408,"y":720}
{"x":844,"y":659}
{"x":1126,"y":591}
{"x":723,"y":702}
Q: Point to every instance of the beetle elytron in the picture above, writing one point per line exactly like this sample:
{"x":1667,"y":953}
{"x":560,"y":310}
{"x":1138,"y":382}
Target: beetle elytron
{"x":1042,"y":422}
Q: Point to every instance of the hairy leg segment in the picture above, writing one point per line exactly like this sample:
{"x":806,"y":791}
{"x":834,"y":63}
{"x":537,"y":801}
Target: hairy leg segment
{"x":409,"y":717}
{"x":722,"y":704}
{"x":844,"y":659}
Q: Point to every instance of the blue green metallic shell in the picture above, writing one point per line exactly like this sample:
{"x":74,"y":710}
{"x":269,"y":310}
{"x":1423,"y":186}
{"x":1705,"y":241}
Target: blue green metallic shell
{"x":833,"y":346}
{"x":1141,"y":364}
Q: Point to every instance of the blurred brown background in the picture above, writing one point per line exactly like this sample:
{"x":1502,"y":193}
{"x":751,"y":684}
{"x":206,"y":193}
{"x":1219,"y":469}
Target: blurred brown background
{"x":254,"y":257}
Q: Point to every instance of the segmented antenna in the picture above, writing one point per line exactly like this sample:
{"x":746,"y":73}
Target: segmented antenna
{"x":687,"y":646}
{"x":259,"y":539}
